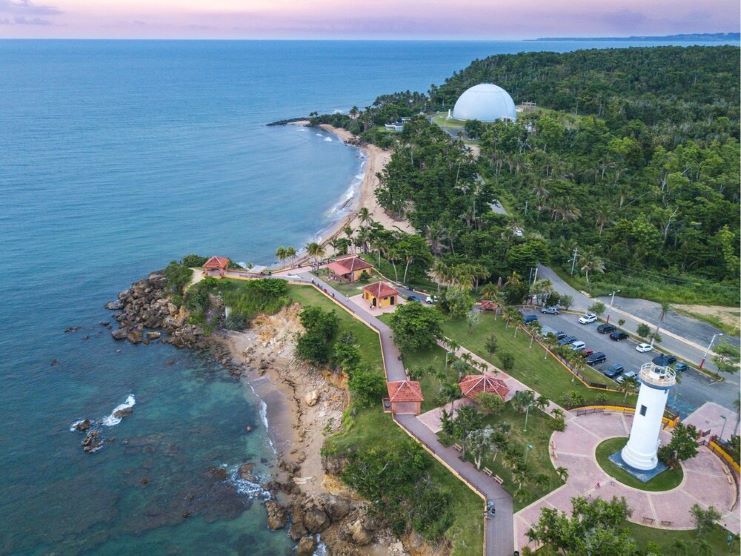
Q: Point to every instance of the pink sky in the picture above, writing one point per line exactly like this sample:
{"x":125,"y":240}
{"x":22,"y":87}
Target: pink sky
{"x":361,"y":19}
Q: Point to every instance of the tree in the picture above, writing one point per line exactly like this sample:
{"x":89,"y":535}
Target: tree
{"x":705,"y":519}
{"x":281,"y":253}
{"x":726,"y":358}
{"x":367,"y":387}
{"x":416,"y":327}
{"x":291,"y":253}
{"x":681,"y":447}
{"x":598,"y":308}
{"x":595,"y":527}
{"x":315,"y":343}
{"x":489,"y":404}
{"x":456,"y":301}
{"x":178,"y":276}
{"x":315,"y":251}
{"x":479,"y":443}
{"x":566,"y":301}
{"x":491,"y":344}
{"x":643,"y":330}
{"x":507,"y":360}
{"x":522,"y":400}
{"x":591,"y":263}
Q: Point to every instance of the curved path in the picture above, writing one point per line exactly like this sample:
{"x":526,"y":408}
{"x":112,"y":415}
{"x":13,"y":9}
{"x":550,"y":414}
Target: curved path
{"x":498,"y":531}
{"x":706,"y":480}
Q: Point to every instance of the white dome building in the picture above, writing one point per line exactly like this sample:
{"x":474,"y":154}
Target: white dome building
{"x":485,"y":102}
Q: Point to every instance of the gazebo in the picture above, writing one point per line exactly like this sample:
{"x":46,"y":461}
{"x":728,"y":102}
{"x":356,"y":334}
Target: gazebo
{"x":216,"y":266}
{"x":405,"y":397}
{"x":473,"y":385}
{"x":380,"y":294}
{"x":348,"y":268}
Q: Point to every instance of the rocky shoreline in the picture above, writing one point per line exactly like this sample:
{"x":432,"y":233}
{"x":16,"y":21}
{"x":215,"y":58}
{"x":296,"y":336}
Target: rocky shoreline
{"x":304,"y":404}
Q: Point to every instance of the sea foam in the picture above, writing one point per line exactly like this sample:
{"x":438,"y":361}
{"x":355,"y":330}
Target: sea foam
{"x":111,"y":420}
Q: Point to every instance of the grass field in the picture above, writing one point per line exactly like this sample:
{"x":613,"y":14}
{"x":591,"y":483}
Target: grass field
{"x":667,"y":480}
{"x":371,"y":427}
{"x":532,"y":366}
{"x":685,"y":542}
{"x":441,"y":119}
{"x":348,"y":288}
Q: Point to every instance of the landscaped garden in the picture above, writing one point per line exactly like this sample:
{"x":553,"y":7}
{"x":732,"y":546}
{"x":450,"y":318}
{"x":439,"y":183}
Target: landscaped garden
{"x":666,"y":480}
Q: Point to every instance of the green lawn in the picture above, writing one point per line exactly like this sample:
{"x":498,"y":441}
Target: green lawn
{"x":667,"y":480}
{"x":441,"y":119}
{"x":429,"y":364}
{"x":371,"y":427}
{"x":684,"y":542}
{"x":348,"y":288}
{"x":533,"y":366}
{"x":538,"y":460}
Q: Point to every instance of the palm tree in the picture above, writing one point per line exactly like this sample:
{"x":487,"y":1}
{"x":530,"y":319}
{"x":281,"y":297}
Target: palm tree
{"x":440,"y":274}
{"x":665,"y":307}
{"x":281,"y":253}
{"x":316,"y":251}
{"x":435,"y":235}
{"x":541,"y":402}
{"x":627,"y":386}
{"x":591,"y":263}
{"x":563,"y":473}
{"x":365,"y":216}
{"x":291,"y":253}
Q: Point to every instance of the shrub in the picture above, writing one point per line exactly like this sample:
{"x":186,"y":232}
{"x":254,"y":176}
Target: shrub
{"x":367,"y":387}
{"x":178,"y":276}
{"x":315,"y":343}
{"x":643,"y":330}
{"x":193,"y":261}
{"x":507,"y":360}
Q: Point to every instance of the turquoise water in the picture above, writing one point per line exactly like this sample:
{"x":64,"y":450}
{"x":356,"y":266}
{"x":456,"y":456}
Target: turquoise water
{"x":116,"y":157}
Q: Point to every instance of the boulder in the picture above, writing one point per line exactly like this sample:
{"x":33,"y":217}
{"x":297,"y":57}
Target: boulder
{"x":153,"y":335}
{"x":134,"y":336}
{"x":245,"y":472}
{"x":312,"y":398}
{"x":123,"y":412}
{"x":316,"y":519}
{"x":359,"y":534}
{"x":336,"y":507}
{"x":306,"y":546}
{"x":116,"y":305}
{"x":83,"y":425}
{"x":277,"y":516}
{"x":92,"y":442}
{"x":218,"y":473}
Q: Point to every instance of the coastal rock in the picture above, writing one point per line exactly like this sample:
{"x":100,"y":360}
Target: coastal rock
{"x":120,"y":333}
{"x":134,"y":336}
{"x":312,"y":398}
{"x":316,"y":519}
{"x":306,"y":546}
{"x":359,"y":534}
{"x":277,"y":517}
{"x":116,"y":305}
{"x":218,"y":473}
{"x":71,"y":329}
{"x":336,"y":507}
{"x":92,"y":442}
{"x":154,"y":335}
{"x":245,"y":472}
{"x":54,"y":362}
{"x":123,"y":412}
{"x":83,"y":425}
{"x":105,"y":323}
{"x":297,"y":530}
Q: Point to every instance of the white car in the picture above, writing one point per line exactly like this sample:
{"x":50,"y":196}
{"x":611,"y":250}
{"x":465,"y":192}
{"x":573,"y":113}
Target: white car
{"x":589,"y":318}
{"x":644,"y":348}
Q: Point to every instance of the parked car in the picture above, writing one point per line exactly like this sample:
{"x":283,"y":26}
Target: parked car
{"x":606,"y":328}
{"x":644,"y":348}
{"x":680,"y":367}
{"x":491,"y":510}
{"x":618,"y":336}
{"x":663,"y":360}
{"x":625,"y":376}
{"x":589,"y":318}
{"x":552,"y":310}
{"x":614,"y":370}
{"x":529,"y":319}
{"x":412,"y":298}
{"x":431,"y":299}
{"x":566,"y":340}
{"x":596,"y":358}
{"x":578,"y":345}
{"x":560,"y":335}
{"x":586,"y":352}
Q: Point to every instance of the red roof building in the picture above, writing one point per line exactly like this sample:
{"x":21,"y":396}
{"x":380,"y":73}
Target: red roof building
{"x":473,"y":385}
{"x":216,"y":266}
{"x":380,"y":294}
{"x":348,"y":268}
{"x":405,"y":396}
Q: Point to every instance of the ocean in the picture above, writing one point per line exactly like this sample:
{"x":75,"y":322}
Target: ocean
{"x":115,"y":158}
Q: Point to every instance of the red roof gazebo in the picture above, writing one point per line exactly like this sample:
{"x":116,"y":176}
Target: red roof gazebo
{"x":473,"y":385}
{"x":216,"y":265}
{"x":405,"y":396}
{"x":349,"y":268}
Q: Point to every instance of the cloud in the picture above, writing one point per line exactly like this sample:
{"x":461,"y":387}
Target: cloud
{"x":27,"y":8}
{"x":625,"y":19}
{"x":20,"y":20}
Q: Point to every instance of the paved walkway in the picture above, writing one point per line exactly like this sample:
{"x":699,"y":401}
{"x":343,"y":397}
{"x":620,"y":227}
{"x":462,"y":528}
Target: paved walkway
{"x":706,"y":480}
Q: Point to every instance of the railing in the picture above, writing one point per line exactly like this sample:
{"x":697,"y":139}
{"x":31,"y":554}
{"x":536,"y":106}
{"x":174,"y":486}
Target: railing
{"x":718,"y":450}
{"x":588,"y":409}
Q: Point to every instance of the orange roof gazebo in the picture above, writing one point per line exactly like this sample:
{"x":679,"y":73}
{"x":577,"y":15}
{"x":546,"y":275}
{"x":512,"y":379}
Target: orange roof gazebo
{"x":216,"y":264}
{"x":348,"y":265}
{"x":473,"y":385}
{"x":405,"y":396}
{"x":380,"y":290}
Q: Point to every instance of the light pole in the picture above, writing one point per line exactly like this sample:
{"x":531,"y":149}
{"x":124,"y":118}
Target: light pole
{"x":723,"y":428}
{"x":527,"y":451}
{"x":612,"y":300}
{"x":527,"y":412}
{"x":710,"y":345}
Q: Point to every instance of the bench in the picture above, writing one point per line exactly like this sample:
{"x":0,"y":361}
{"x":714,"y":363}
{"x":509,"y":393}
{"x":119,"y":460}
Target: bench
{"x":458,"y":447}
{"x":498,"y":479}
{"x":666,"y":523}
{"x":488,"y":472}
{"x":648,"y":520}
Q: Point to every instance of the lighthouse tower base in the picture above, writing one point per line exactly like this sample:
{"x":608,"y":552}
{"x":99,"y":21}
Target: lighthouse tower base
{"x":643,"y":462}
{"x":643,"y":475}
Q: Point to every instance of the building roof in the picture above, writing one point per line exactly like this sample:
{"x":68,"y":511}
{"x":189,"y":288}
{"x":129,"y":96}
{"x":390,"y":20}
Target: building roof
{"x":216,"y":263}
{"x":404,"y":391}
{"x":380,"y":289}
{"x":348,"y":265}
{"x":473,"y":385}
{"x":485,"y":102}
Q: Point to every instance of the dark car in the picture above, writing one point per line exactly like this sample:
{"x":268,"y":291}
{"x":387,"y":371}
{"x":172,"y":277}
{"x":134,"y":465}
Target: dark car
{"x":412,"y":298}
{"x":566,"y":340}
{"x":596,"y":358}
{"x":613,"y":370}
{"x":618,"y":336}
{"x":529,"y":319}
{"x":663,"y":360}
{"x":680,"y":367}
{"x":586,"y":352}
{"x":491,"y":510}
{"x":560,"y":335}
{"x":606,"y":328}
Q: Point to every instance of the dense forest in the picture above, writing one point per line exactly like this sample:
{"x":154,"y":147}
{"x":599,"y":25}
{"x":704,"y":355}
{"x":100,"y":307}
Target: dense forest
{"x":631,"y":158}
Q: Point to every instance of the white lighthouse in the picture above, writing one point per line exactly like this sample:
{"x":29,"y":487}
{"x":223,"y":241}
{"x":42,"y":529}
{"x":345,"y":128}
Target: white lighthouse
{"x":643,"y":444}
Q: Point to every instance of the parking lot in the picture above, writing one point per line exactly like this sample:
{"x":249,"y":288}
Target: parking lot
{"x":693,"y":390}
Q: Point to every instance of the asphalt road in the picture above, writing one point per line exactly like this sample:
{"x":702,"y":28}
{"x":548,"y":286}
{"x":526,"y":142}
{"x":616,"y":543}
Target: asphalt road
{"x":693,"y":390}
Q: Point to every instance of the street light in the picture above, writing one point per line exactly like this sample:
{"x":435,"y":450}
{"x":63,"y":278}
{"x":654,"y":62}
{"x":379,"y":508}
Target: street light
{"x":723,"y":428}
{"x":710,"y":345}
{"x":612,"y":300}
{"x":527,"y":451}
{"x":527,"y":412}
